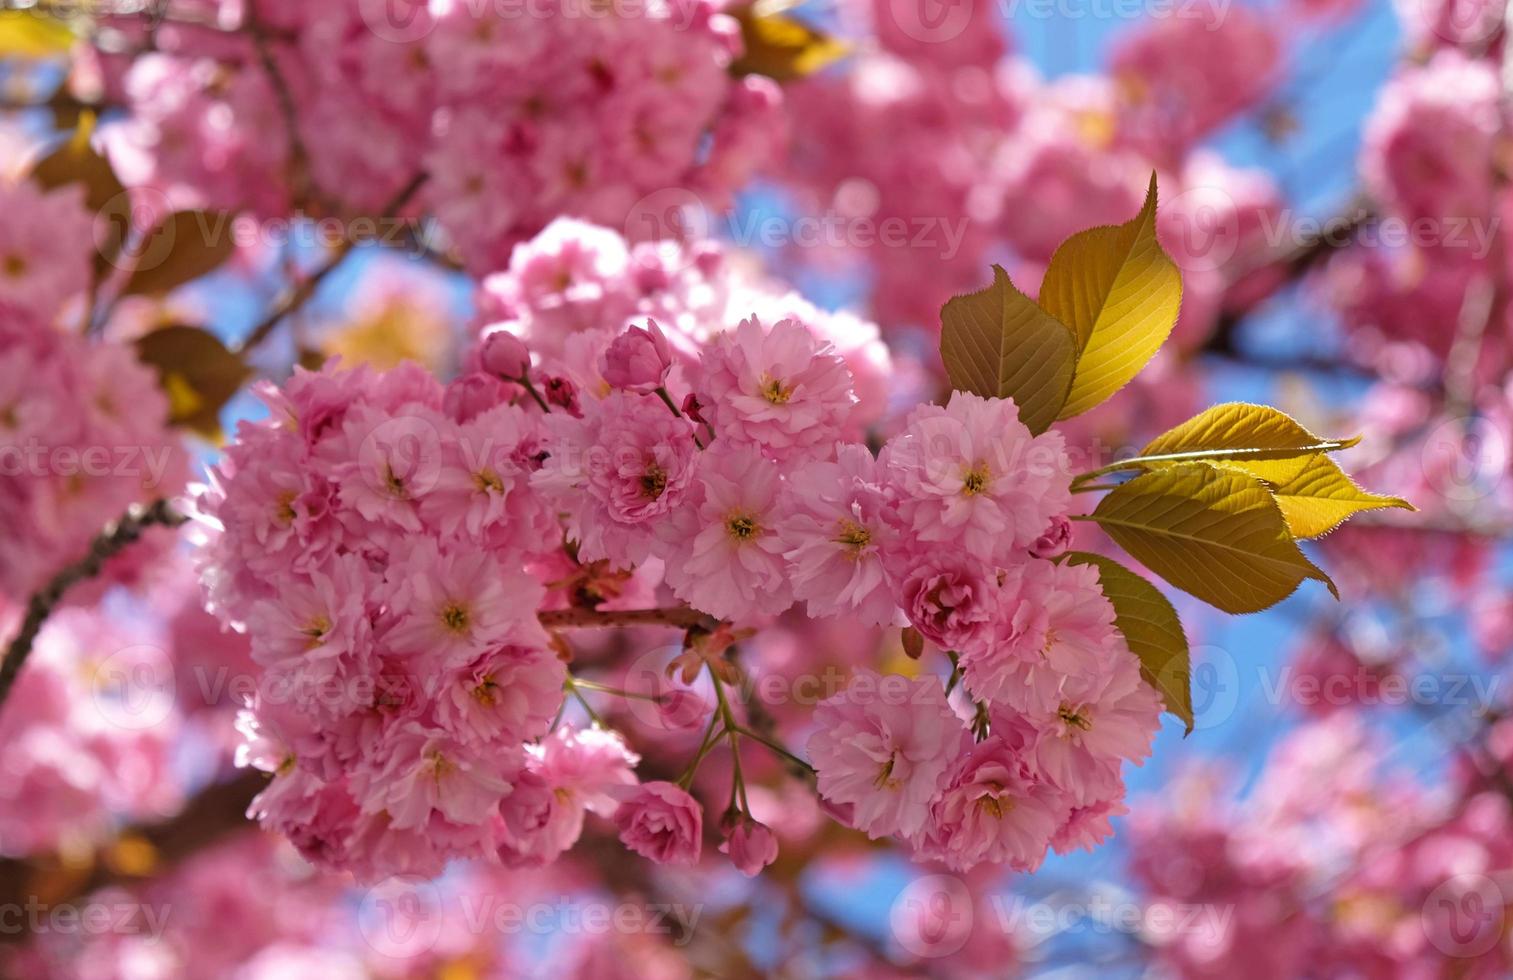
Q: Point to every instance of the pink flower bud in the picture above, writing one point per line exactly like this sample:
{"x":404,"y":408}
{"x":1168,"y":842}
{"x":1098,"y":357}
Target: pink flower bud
{"x":751,"y":845}
{"x":692,"y":408}
{"x":504,"y":355}
{"x":1055,"y":541}
{"x":564,"y":394}
{"x":637,"y":360}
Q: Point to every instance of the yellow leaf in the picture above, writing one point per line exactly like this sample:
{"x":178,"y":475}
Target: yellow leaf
{"x":1151,"y":628}
{"x":1119,"y":293}
{"x":782,"y":48}
{"x":1268,"y":443}
{"x":998,"y":344}
{"x":184,"y":247}
{"x":27,"y":34}
{"x":198,"y":373}
{"x":1211,"y":531}
{"x":1320,"y":497}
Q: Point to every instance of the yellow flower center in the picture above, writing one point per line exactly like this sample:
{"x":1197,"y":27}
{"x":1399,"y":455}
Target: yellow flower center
{"x":853,"y":536}
{"x":976,"y":480}
{"x":742,"y":528}
{"x":439,"y":765}
{"x":996,"y":806}
{"x":285,"y":508}
{"x":317,"y":629}
{"x":454,"y":617}
{"x":653,"y":482}
{"x":1074,"y":719}
{"x":394,"y":483}
{"x":487,"y":481}
{"x":774,"y":391}
{"x":14,"y":266}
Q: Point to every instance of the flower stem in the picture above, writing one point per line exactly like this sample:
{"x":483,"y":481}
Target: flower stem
{"x":525,"y":382}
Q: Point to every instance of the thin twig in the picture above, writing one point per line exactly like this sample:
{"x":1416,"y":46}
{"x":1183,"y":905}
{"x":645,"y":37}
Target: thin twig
{"x":105,"y":546}
{"x":679,"y":616}
{"x":300,"y":294}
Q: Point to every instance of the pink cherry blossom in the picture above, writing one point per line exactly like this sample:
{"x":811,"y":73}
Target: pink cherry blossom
{"x":971,"y":475}
{"x":722,"y":549}
{"x":995,"y":807}
{"x":778,"y":388}
{"x":661,"y":822}
{"x":883,"y":745}
{"x":837,"y":536}
{"x":619,"y":472}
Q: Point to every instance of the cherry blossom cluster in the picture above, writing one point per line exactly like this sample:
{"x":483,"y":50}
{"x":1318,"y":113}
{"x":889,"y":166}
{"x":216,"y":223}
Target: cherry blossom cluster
{"x":388,"y":542}
{"x":91,"y":735}
{"x":250,"y":908}
{"x":1431,"y":165}
{"x":83,"y":425}
{"x":1334,"y":860}
{"x":972,"y":154}
{"x":517,"y":113}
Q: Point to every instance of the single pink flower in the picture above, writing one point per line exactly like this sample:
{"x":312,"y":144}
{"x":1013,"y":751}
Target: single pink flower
{"x":1054,"y":626}
{"x":722,"y":549}
{"x":662,"y":822}
{"x":782,"y":389}
{"x":970,"y":475}
{"x":836,"y":538}
{"x":953,"y":599}
{"x":885,"y":745}
{"x":995,"y":809}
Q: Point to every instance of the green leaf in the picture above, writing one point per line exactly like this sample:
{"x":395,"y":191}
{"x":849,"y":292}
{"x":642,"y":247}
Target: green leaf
{"x":1320,"y":497}
{"x":1211,"y":531}
{"x":1265,"y":442}
{"x":998,"y":344}
{"x":185,"y":246}
{"x":1120,"y":294}
{"x":782,"y":48}
{"x":1151,"y":628}
{"x":28,"y":34}
{"x":196,"y":371}
{"x":77,"y":162}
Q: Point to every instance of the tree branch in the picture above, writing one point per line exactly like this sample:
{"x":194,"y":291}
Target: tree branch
{"x":681,"y":616}
{"x":301,"y":292}
{"x":105,"y":546}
